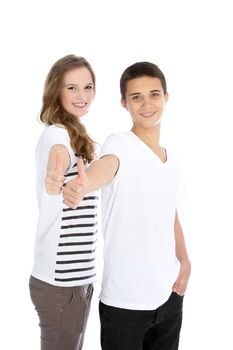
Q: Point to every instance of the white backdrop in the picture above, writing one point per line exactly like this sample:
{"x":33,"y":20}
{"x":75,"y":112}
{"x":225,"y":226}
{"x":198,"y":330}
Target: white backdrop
{"x":191,"y":41}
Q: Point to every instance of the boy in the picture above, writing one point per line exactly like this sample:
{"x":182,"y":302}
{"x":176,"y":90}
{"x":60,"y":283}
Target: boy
{"x":146,"y":265}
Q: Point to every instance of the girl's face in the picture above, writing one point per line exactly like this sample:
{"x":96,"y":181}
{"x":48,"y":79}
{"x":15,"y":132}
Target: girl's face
{"x":77,"y":92}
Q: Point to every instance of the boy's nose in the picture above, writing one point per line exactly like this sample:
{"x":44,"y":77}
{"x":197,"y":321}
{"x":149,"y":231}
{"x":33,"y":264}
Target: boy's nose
{"x":146,"y":102}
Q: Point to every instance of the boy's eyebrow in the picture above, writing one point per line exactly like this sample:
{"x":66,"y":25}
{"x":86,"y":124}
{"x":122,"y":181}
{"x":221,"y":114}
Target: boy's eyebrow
{"x":135,"y":93}
{"x":139,"y":93}
{"x":156,"y":90}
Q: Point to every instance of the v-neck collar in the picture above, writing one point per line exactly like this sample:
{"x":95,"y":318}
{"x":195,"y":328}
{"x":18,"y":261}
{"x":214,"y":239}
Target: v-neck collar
{"x":149,"y":150}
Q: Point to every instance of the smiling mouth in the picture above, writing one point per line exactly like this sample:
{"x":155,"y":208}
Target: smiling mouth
{"x":148,"y":115}
{"x":80,"y":105}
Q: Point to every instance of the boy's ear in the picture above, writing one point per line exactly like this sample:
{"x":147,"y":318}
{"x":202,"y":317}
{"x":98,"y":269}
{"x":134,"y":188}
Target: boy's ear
{"x":123,"y":102}
{"x":166,"y":97}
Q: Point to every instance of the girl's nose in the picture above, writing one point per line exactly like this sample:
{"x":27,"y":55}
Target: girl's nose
{"x":80,"y":95}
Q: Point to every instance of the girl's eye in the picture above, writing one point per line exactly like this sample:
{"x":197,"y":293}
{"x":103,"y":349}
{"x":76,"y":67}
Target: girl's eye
{"x":71,"y":88}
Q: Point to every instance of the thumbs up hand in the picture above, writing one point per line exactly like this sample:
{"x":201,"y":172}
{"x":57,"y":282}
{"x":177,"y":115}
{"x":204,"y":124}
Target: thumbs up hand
{"x":55,"y":177}
{"x":75,"y":190}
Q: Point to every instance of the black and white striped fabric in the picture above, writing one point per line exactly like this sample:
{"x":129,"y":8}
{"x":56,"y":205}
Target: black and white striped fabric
{"x":77,"y":241}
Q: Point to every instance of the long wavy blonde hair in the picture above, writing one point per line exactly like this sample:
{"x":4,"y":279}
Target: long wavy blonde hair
{"x":52,"y":111}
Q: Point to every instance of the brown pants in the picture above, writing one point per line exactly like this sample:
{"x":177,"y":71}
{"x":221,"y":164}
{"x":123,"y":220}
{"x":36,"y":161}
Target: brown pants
{"x":63,"y":314}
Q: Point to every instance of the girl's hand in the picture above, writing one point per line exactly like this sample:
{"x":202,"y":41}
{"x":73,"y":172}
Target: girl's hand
{"x":75,"y":190}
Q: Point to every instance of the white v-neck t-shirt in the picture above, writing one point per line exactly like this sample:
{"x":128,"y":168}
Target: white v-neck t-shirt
{"x":138,"y":213}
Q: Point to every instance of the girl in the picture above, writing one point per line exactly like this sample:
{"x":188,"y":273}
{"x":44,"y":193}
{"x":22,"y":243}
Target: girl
{"x":64,"y":268}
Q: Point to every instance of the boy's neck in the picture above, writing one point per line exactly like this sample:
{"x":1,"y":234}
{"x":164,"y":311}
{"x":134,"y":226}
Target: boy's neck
{"x":151,"y":138}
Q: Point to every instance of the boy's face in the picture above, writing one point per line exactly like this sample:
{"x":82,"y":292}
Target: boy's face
{"x":145,"y":100}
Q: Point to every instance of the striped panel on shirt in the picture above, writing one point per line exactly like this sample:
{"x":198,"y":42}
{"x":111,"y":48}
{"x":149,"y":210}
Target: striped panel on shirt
{"x":77,"y":241}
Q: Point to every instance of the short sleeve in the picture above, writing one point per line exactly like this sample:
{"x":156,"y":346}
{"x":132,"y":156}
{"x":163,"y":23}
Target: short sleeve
{"x":180,"y":187}
{"x":114,"y":144}
{"x":55,"y":135}
{"x":51,"y":136}
{"x":177,"y":173}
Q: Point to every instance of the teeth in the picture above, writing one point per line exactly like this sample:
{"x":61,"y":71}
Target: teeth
{"x":79,"y":104}
{"x":147,"y":114}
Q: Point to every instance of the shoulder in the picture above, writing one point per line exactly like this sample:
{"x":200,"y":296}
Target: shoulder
{"x":53,"y":130}
{"x":116,"y":144}
{"x":173,"y":156}
{"x":175,"y":163}
{"x":117,"y":137}
{"x":53,"y":134}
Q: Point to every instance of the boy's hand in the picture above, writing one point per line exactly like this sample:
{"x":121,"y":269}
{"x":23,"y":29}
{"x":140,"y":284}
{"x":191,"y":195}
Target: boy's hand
{"x":181,"y":283}
{"x":55,"y":178}
{"x":75,"y":190}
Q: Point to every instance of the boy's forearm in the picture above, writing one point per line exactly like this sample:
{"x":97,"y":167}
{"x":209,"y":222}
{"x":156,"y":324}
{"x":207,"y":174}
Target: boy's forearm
{"x":101,"y":172}
{"x":181,"y":251}
{"x":181,"y":282}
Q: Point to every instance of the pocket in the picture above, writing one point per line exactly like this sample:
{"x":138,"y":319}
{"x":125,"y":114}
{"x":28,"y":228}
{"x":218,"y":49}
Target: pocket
{"x":67,"y":298}
{"x":86,"y":293}
{"x":178,"y":295}
{"x":90,"y":290}
{"x":44,"y":296}
{"x":177,"y":299}
{"x":37,"y":289}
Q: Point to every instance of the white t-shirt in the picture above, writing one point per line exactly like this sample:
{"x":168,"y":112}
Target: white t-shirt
{"x":138,"y":213}
{"x":66,"y":238}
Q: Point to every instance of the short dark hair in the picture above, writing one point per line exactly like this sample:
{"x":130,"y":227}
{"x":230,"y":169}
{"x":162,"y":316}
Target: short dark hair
{"x":140,"y":69}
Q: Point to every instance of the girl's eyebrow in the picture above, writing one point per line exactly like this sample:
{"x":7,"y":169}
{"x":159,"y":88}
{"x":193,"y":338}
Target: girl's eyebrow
{"x":73,"y":84}
{"x":68,"y":84}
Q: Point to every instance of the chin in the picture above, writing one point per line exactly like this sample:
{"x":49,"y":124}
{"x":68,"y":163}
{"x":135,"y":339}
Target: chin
{"x":80,"y":115}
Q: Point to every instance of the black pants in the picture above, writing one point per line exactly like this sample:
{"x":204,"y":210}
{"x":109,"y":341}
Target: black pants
{"x":123,"y":329}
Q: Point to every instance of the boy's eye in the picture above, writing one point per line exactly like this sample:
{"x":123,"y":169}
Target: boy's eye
{"x":155,"y":94}
{"x":137,"y":97}
{"x":89,"y":87}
